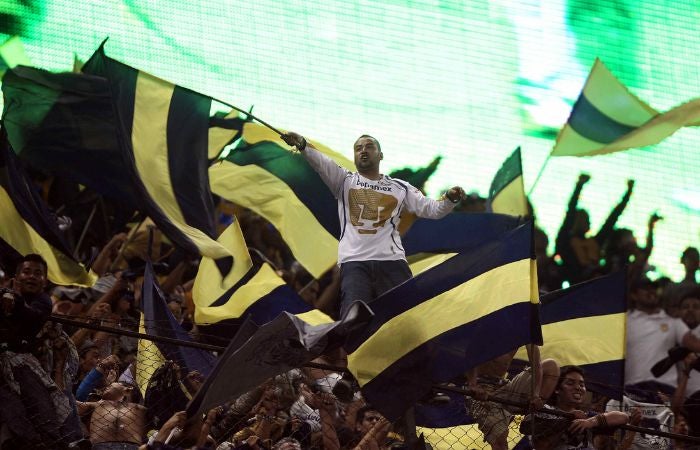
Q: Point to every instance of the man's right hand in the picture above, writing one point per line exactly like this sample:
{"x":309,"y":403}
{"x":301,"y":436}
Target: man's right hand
{"x":294,"y":139}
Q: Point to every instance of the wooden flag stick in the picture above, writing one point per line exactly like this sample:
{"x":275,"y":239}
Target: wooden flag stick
{"x":262,"y":122}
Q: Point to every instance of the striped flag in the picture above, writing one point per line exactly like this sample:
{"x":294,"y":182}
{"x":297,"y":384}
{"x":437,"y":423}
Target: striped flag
{"x":223,"y":300}
{"x":163,"y":133}
{"x":584,"y":325}
{"x":608,"y":118}
{"x":63,"y":124}
{"x":267,"y":177}
{"x":28,"y":227}
{"x":158,"y":320}
{"x":468,"y":310}
{"x":507,"y":191}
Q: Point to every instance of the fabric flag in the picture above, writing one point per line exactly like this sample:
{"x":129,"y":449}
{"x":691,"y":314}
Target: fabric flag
{"x":27,"y":224}
{"x":12,"y":54}
{"x":584,"y":325}
{"x":224,"y":300}
{"x":148,"y":359}
{"x":163,"y":132}
{"x":507,"y":191}
{"x":158,"y":320}
{"x":608,"y":118}
{"x":470,"y":309}
{"x":63,"y":124}
{"x":469,"y":436}
{"x":264,"y":175}
{"x":282,"y":344}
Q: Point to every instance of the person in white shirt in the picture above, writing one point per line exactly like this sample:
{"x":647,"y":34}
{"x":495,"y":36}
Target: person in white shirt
{"x":650,"y":334}
{"x":690,"y":315}
{"x":370,"y":254}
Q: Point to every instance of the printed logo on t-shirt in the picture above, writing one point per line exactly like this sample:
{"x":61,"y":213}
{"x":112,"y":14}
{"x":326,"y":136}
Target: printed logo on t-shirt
{"x":370,"y":209}
{"x":664,"y":327}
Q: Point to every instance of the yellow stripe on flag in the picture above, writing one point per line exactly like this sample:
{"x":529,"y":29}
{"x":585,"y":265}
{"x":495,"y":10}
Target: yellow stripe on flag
{"x":467,"y":436}
{"x":261,"y":284}
{"x":511,"y":199}
{"x":489,"y":292}
{"x":572,"y":342}
{"x":254,"y":133}
{"x":612,"y":98}
{"x":209,"y":284}
{"x":24,"y":239}
{"x":148,"y":359}
{"x":257,"y":189}
{"x":149,"y":140}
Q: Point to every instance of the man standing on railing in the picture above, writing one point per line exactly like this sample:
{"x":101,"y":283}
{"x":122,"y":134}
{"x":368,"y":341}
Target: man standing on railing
{"x":370,"y":254}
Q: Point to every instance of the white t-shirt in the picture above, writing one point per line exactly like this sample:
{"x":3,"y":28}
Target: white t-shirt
{"x":655,"y":417}
{"x":369,"y":210}
{"x":649,"y":337}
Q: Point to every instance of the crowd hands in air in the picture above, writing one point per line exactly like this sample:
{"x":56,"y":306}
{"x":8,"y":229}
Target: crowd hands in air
{"x":66,"y":386}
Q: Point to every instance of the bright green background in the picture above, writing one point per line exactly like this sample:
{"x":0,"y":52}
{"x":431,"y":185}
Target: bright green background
{"x":469,"y":80}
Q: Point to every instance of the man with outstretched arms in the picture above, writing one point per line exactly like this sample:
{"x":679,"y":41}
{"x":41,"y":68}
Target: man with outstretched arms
{"x":370,"y":254}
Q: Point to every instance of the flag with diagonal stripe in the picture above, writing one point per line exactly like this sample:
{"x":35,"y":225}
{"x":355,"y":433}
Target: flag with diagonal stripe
{"x":29,"y":227}
{"x":472,"y":308}
{"x":163,"y":131}
{"x":608,"y":118}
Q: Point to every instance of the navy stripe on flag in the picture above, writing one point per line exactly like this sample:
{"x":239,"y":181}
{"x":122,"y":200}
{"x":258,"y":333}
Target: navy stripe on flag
{"x":456,"y":232}
{"x":578,"y":302}
{"x":438,"y":359}
{"x":26,"y":200}
{"x":592,"y":124}
{"x":453,"y":272}
{"x":188,"y":134}
{"x":296,"y":173}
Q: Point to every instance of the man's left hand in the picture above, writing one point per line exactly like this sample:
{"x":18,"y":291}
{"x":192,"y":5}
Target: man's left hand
{"x":455,"y":194}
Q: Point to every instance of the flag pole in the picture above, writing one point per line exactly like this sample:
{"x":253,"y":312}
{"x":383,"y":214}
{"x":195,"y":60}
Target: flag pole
{"x":262,"y":122}
{"x":84,"y":232}
{"x":539,"y":174}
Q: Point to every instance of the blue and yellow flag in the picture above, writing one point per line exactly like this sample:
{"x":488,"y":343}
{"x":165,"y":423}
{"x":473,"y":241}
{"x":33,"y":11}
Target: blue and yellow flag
{"x":264,"y":175}
{"x":163,"y":134}
{"x":584,"y":325}
{"x":507,"y":191}
{"x":470,"y":309}
{"x":28,"y":226}
{"x":608,"y":118}
{"x":158,"y":320}
{"x":223,"y":300}
{"x":64,"y":125}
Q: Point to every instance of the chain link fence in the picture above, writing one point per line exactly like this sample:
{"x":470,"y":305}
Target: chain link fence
{"x":106,"y":386}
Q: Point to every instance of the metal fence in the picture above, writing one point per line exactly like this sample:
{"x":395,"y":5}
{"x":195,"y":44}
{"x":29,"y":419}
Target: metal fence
{"x":100,"y":385}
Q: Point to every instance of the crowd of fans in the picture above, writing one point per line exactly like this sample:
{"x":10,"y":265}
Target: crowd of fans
{"x":68,"y":386}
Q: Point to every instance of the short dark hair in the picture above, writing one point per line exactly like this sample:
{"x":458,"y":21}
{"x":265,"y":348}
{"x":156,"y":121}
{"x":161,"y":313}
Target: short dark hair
{"x":379,"y":147}
{"x":360,"y":415}
{"x":32,"y":257}
{"x":565,"y":370}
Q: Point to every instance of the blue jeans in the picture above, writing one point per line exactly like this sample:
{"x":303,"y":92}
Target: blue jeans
{"x":367,"y":280}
